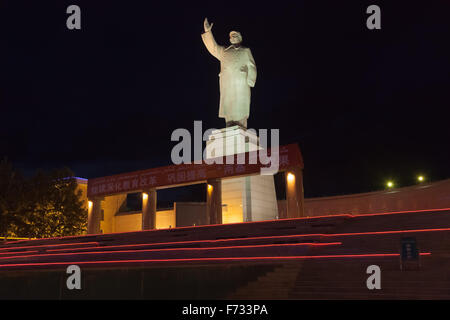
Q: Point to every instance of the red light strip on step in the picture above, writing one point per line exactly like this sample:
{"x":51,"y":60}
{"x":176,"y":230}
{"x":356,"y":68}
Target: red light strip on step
{"x":176,"y":249}
{"x":52,"y":245}
{"x":10,"y":253}
{"x":189,"y":227}
{"x":385,"y":232}
{"x":260,"y":238}
{"x":193,"y":242}
{"x":249,"y":222}
{"x":398,"y":212}
{"x":374,"y":255}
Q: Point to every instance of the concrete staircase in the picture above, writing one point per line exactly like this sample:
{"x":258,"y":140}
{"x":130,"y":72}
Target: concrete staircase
{"x":276,"y":284}
{"x":344,"y":279}
{"x":341,"y":280}
{"x":306,"y":258}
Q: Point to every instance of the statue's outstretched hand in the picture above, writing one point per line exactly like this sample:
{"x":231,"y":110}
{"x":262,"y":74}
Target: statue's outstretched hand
{"x":206,"y":25}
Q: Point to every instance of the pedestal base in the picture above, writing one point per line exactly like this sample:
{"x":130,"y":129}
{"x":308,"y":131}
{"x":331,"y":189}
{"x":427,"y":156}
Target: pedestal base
{"x":230,"y":141}
{"x":250,"y":198}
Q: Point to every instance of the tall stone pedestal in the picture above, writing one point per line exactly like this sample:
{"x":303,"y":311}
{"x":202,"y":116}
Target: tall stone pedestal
{"x":251,"y":198}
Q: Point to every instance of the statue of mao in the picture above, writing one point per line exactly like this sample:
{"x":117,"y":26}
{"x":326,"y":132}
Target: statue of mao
{"x":237,"y":76}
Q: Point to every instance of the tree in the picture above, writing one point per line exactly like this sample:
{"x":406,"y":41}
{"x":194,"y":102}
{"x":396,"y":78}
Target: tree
{"x":13,"y":203}
{"x":57,"y":209}
{"x":45,"y":205}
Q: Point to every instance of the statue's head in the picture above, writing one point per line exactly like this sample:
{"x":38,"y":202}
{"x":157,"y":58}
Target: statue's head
{"x":235,"y":37}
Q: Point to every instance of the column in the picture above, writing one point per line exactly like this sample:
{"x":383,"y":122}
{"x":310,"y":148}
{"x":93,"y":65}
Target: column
{"x":94,"y":215}
{"x":149,"y":209}
{"x":294,"y":193}
{"x":214,"y":201}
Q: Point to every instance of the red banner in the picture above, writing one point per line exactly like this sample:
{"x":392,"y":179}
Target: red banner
{"x":173,"y":175}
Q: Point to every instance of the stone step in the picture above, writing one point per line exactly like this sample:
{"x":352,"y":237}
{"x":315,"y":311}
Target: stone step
{"x":384,"y":284}
{"x":364,"y":290}
{"x":370,"y":296}
{"x":325,"y":278}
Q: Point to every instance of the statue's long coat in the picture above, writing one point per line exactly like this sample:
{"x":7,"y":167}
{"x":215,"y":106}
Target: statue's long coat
{"x":237,"y":75}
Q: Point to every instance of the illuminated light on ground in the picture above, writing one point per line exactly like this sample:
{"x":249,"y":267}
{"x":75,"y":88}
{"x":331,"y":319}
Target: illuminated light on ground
{"x":247,"y":222}
{"x":262,"y":238}
{"x":177,"y":249}
{"x":50,"y":245}
{"x":336,"y":256}
{"x":11,"y":253}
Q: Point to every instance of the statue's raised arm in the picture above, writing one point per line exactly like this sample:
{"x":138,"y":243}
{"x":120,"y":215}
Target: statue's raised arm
{"x":209,"y":41}
{"x":207,"y":26}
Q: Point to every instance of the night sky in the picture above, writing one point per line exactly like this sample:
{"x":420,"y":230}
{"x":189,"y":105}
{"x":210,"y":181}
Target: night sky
{"x":364,"y":105}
